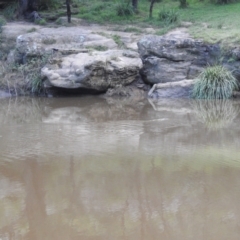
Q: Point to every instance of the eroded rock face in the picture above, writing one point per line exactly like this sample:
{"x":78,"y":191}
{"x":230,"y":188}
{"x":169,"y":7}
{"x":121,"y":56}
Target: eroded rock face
{"x":169,"y":58}
{"x":94,"y":70}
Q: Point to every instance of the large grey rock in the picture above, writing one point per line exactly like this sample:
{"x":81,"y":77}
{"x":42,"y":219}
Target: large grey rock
{"x":96,"y":70}
{"x":46,"y":40}
{"x":169,"y":58}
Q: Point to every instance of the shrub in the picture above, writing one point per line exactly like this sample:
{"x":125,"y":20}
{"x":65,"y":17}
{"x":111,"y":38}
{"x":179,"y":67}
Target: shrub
{"x":10,"y":11}
{"x":215,"y":82}
{"x":31,"y":73}
{"x":124,"y":8}
{"x":168,"y":16}
{"x":40,"y":21}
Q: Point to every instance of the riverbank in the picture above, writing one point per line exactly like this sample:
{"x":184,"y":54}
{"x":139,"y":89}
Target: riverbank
{"x":115,"y":60}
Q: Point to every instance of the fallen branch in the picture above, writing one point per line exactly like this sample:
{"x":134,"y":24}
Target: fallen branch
{"x":183,"y":83}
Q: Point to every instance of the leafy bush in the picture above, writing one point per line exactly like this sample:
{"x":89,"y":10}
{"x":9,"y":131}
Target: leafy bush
{"x":168,"y":16}
{"x":215,"y":83}
{"x":9,"y":12}
{"x":124,"y":8}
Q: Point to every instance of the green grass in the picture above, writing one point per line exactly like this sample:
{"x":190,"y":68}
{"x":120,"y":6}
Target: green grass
{"x":117,"y":40}
{"x":211,"y":23}
{"x":215,"y":83}
{"x":132,"y":29}
{"x":32,"y":30}
{"x":168,"y":16}
{"x":97,"y":48}
{"x":214,"y":23}
{"x":41,"y":21}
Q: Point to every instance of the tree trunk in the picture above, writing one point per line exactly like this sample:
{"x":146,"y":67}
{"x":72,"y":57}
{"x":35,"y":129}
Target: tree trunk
{"x":151,"y":8}
{"x":135,"y":5}
{"x":23,"y":6}
{"x":183,"y":3}
{"x":68,"y":11}
{"x":28,"y":6}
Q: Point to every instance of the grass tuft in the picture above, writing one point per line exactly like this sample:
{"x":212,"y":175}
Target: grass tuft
{"x":168,"y":16}
{"x":117,"y":40}
{"x":215,"y":82}
{"x":124,"y":9}
{"x":41,"y":21}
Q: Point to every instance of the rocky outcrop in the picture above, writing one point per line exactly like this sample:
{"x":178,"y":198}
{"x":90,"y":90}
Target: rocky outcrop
{"x":46,"y":40}
{"x":171,"y":59}
{"x":94,"y":70}
{"x":84,"y":57}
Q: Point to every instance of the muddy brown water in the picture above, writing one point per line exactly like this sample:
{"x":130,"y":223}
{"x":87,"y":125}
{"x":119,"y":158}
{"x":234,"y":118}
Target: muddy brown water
{"x":88,"y":168}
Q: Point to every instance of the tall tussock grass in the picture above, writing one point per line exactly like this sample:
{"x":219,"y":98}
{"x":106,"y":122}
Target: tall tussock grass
{"x":215,"y":82}
{"x":168,"y":16}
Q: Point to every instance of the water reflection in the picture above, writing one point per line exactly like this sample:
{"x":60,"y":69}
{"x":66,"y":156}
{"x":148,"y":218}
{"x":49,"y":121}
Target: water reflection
{"x":89,"y":168}
{"x":216,"y":114}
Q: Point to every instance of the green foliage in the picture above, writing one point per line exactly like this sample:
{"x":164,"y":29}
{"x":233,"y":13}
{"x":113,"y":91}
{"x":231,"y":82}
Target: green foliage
{"x":36,"y":84}
{"x":31,"y":73}
{"x":41,"y":21}
{"x":168,"y":16}
{"x":223,"y":19}
{"x":98,"y":11}
{"x":132,"y":29}
{"x":32,"y":30}
{"x":2,"y":22}
{"x":215,"y":83}
{"x":10,"y":11}
{"x":124,"y":8}
{"x":117,"y":40}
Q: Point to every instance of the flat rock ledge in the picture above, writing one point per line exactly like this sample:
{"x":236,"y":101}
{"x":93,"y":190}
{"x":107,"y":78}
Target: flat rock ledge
{"x":94,"y":70}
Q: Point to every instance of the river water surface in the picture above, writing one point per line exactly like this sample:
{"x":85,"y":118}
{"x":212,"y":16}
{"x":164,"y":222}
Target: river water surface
{"x":94,"y":169}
